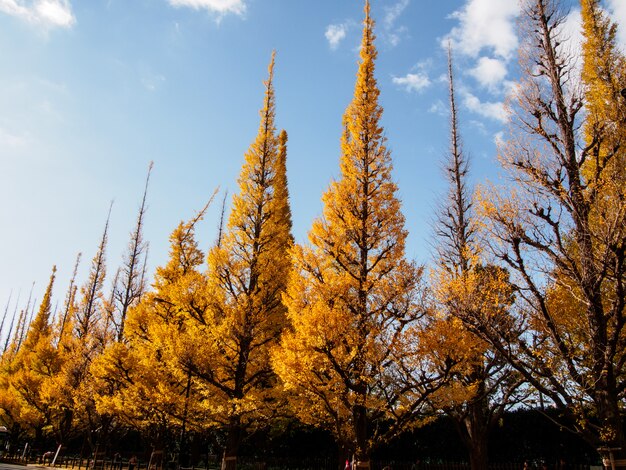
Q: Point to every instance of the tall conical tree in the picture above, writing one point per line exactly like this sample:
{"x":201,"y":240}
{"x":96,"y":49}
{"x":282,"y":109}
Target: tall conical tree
{"x":70,"y":391}
{"x":88,"y":314}
{"x":604,"y":76}
{"x":28,"y":319}
{"x":8,"y":337}
{"x":456,"y":228}
{"x":9,"y":403}
{"x":40,"y":326}
{"x":351,"y":299}
{"x":22,"y":324}
{"x":483,"y":386}
{"x":34,"y":363}
{"x":247,"y":276}
{"x":142,"y":381}
{"x":69,"y":309}
{"x":281,"y":186}
{"x":220,"y":228}
{"x":130,"y":287}
{"x":5,"y":314}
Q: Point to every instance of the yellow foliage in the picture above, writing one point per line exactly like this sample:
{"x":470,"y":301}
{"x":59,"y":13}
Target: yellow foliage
{"x":146,"y":381}
{"x":238,"y":315}
{"x":352,"y":296}
{"x":604,"y":75}
{"x":27,"y":371}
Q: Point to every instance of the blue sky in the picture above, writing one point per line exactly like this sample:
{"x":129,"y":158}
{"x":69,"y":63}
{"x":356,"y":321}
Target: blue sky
{"x":92,"y":91}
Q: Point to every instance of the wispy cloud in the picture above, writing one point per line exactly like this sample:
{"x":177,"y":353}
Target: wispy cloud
{"x":335,"y":33}
{"x":222,"y":7}
{"x":11,"y":140}
{"x":478,"y":125}
{"x":151,"y":81}
{"x":438,"y":107}
{"x":489,"y":109}
{"x":47,"y":13}
{"x":499,"y":138}
{"x":393,"y":12}
{"x":412,"y":82}
{"x":395,"y":37}
{"x":392,"y":33}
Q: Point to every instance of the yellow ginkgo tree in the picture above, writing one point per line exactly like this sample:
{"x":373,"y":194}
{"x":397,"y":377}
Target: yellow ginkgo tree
{"x":33,"y":363}
{"x":144,"y":381}
{"x":560,"y":228}
{"x":229,"y":342}
{"x":483,"y":385}
{"x":349,"y":360}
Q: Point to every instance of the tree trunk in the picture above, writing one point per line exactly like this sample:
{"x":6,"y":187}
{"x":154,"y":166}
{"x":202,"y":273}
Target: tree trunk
{"x":473,"y":429}
{"x":478,"y":453}
{"x":613,"y":447}
{"x":229,"y":459}
{"x":65,"y":426}
{"x":362,"y":457}
{"x":38,"y":441}
{"x":478,"y":444}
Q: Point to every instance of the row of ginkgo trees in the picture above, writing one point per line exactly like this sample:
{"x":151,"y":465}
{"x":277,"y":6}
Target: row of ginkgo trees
{"x":527,"y":293}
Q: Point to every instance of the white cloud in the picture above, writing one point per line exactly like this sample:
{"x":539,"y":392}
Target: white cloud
{"x":222,"y":7}
{"x":618,"y":13}
{"x":489,"y":72}
{"x":478,"y":125}
{"x":488,"y":109}
{"x":335,"y":33}
{"x":425,"y":64}
{"x":394,"y":37}
{"x":55,"y":12}
{"x":48,"y":13}
{"x":498,"y":138}
{"x":438,"y":108}
{"x":571,"y":31}
{"x":486,"y":24}
{"x":412,"y":81}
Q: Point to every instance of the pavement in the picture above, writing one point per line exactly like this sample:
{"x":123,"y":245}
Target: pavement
{"x":30,"y":466}
{"x":11,"y":466}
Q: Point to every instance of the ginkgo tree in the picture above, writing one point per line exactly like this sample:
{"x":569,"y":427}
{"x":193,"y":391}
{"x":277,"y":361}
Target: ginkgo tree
{"x":483,"y":385}
{"x":561,"y":227}
{"x":230,"y":341}
{"x":349,"y":360}
{"x":604,"y":76}
{"x":33,"y":363}
{"x":143,"y":381}
{"x":82,"y":340}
